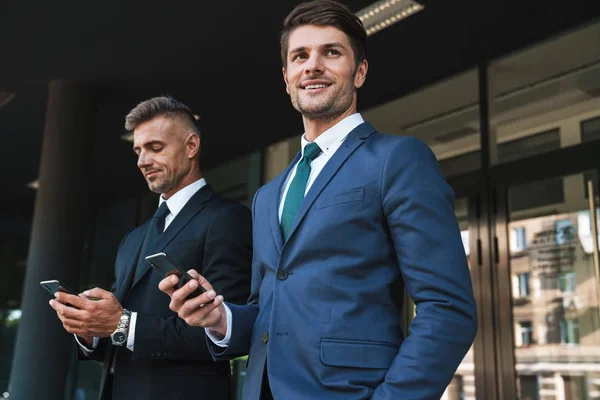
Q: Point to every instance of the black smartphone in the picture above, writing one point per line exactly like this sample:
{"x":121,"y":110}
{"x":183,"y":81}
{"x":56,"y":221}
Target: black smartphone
{"x":53,"y":286}
{"x":165,"y":267}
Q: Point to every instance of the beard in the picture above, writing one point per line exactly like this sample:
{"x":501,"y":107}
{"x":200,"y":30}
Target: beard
{"x":327,"y":108}
{"x":159,"y":186}
{"x":163,"y":184}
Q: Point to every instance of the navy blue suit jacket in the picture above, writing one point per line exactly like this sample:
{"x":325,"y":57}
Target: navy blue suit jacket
{"x":326,"y":306}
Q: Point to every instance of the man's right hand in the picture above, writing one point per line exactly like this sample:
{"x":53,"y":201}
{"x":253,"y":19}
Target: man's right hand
{"x":205,"y":310}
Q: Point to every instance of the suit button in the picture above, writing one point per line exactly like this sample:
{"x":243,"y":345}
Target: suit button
{"x":282,"y":275}
{"x":151,"y":354}
{"x":265,"y":337}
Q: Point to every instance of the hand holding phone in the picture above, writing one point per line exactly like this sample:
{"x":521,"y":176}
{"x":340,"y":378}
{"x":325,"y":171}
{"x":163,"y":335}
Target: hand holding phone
{"x":54,"y":286}
{"x":165,"y":267}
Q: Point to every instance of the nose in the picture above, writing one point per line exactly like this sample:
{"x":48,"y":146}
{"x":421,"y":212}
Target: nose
{"x":144,"y":160}
{"x":314,"y":65}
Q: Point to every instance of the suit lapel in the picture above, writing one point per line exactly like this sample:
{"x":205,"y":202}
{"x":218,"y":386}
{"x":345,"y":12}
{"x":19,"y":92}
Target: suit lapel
{"x":275,"y":200}
{"x":355,"y":138}
{"x":195,"y":204}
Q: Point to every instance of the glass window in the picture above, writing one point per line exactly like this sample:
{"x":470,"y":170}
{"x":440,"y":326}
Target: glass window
{"x":528,"y":146}
{"x":526,"y":332}
{"x":590,"y":129}
{"x":569,"y":332}
{"x":518,"y":241}
{"x":567,"y":282}
{"x":547,"y":192}
{"x":461,"y":164}
{"x":557,"y":329}
{"x":444,"y":115}
{"x":524,"y":284}
{"x":550,"y":88}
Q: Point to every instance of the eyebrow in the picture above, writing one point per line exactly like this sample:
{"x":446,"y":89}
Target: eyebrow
{"x":324,"y":46}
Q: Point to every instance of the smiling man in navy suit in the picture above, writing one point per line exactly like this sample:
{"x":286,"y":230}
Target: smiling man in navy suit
{"x":356,"y":218}
{"x":148,"y":351}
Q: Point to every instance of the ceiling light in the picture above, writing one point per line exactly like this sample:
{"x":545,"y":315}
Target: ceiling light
{"x":34,"y":185}
{"x":128,"y":137}
{"x":382,"y":14}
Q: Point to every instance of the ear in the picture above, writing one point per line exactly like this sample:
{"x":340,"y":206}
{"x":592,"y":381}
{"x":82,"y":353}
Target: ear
{"x":287,"y":84}
{"x":361,"y":74}
{"x":192,"y":144}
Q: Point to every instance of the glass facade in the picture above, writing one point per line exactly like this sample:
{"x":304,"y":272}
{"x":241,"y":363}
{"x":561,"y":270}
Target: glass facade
{"x":557,"y":325}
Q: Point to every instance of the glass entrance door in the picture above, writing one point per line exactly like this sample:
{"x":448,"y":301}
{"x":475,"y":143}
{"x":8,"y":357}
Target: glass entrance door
{"x":553,"y":263}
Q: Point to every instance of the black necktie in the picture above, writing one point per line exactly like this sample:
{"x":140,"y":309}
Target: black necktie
{"x":157,"y":226}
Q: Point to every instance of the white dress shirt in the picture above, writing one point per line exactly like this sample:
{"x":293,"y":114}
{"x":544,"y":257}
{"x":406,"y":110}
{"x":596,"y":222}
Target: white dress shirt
{"x":175,"y":204}
{"x":329,"y":141}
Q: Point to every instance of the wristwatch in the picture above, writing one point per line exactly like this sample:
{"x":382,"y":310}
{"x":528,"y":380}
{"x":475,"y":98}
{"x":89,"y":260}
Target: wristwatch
{"x":119,"y":336}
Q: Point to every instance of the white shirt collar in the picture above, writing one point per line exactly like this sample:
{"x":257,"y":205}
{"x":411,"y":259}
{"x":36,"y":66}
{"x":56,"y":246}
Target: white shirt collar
{"x":329,"y":140}
{"x":181,"y":197}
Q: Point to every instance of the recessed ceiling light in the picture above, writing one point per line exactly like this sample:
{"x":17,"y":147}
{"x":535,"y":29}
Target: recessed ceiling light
{"x":128,"y":137}
{"x":34,"y":184}
{"x":382,"y":14}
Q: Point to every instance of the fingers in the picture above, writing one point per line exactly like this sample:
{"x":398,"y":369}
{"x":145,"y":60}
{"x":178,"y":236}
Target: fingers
{"x":204,"y":283}
{"x":178,"y":297}
{"x":168,"y":285}
{"x":66,"y":312}
{"x":200,"y":279}
{"x":192,"y":305}
{"x":98,"y":293}
{"x":66,"y":298}
{"x":204,"y":316}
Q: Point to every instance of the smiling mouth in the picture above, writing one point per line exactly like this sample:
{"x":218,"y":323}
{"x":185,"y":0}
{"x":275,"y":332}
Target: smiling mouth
{"x":151,"y":174}
{"x":317,"y":86}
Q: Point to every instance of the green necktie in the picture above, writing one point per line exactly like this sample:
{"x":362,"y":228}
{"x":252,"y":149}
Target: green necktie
{"x":295,"y":193}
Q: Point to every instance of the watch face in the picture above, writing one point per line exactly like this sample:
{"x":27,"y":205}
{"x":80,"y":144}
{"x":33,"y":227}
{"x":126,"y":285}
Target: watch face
{"x":119,"y":337}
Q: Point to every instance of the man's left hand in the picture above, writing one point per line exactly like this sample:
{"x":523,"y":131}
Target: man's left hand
{"x":87,"y":317}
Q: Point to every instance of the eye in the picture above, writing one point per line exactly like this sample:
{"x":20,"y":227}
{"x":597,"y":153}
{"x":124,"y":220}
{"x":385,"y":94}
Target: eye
{"x":157,"y":149}
{"x":299,"y":56}
{"x":332,"y":52}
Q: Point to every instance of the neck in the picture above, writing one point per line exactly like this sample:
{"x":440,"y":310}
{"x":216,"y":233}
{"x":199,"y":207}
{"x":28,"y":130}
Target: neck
{"x":314,"y":127}
{"x":190,"y":178}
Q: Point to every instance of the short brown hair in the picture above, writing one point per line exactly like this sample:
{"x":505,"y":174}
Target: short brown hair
{"x":326,"y":13}
{"x":160,"y":106}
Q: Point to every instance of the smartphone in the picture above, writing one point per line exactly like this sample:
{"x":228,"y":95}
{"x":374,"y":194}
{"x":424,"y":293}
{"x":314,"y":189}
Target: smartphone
{"x":53,"y":286}
{"x":165,"y":267}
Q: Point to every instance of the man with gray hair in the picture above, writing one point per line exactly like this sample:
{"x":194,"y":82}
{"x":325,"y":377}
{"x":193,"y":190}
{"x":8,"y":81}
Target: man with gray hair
{"x":148,"y":352}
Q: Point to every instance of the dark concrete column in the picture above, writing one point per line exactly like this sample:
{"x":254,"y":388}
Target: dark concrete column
{"x":42,"y":350}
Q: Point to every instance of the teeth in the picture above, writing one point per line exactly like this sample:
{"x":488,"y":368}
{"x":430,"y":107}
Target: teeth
{"x":321,"y":85}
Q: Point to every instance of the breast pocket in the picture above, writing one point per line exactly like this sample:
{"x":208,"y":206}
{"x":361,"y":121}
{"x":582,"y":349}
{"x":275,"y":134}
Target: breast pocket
{"x":351,"y":196}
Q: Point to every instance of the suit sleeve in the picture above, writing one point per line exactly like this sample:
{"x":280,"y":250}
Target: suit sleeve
{"x":227,"y":266}
{"x":419,"y":208}
{"x":242,"y":315}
